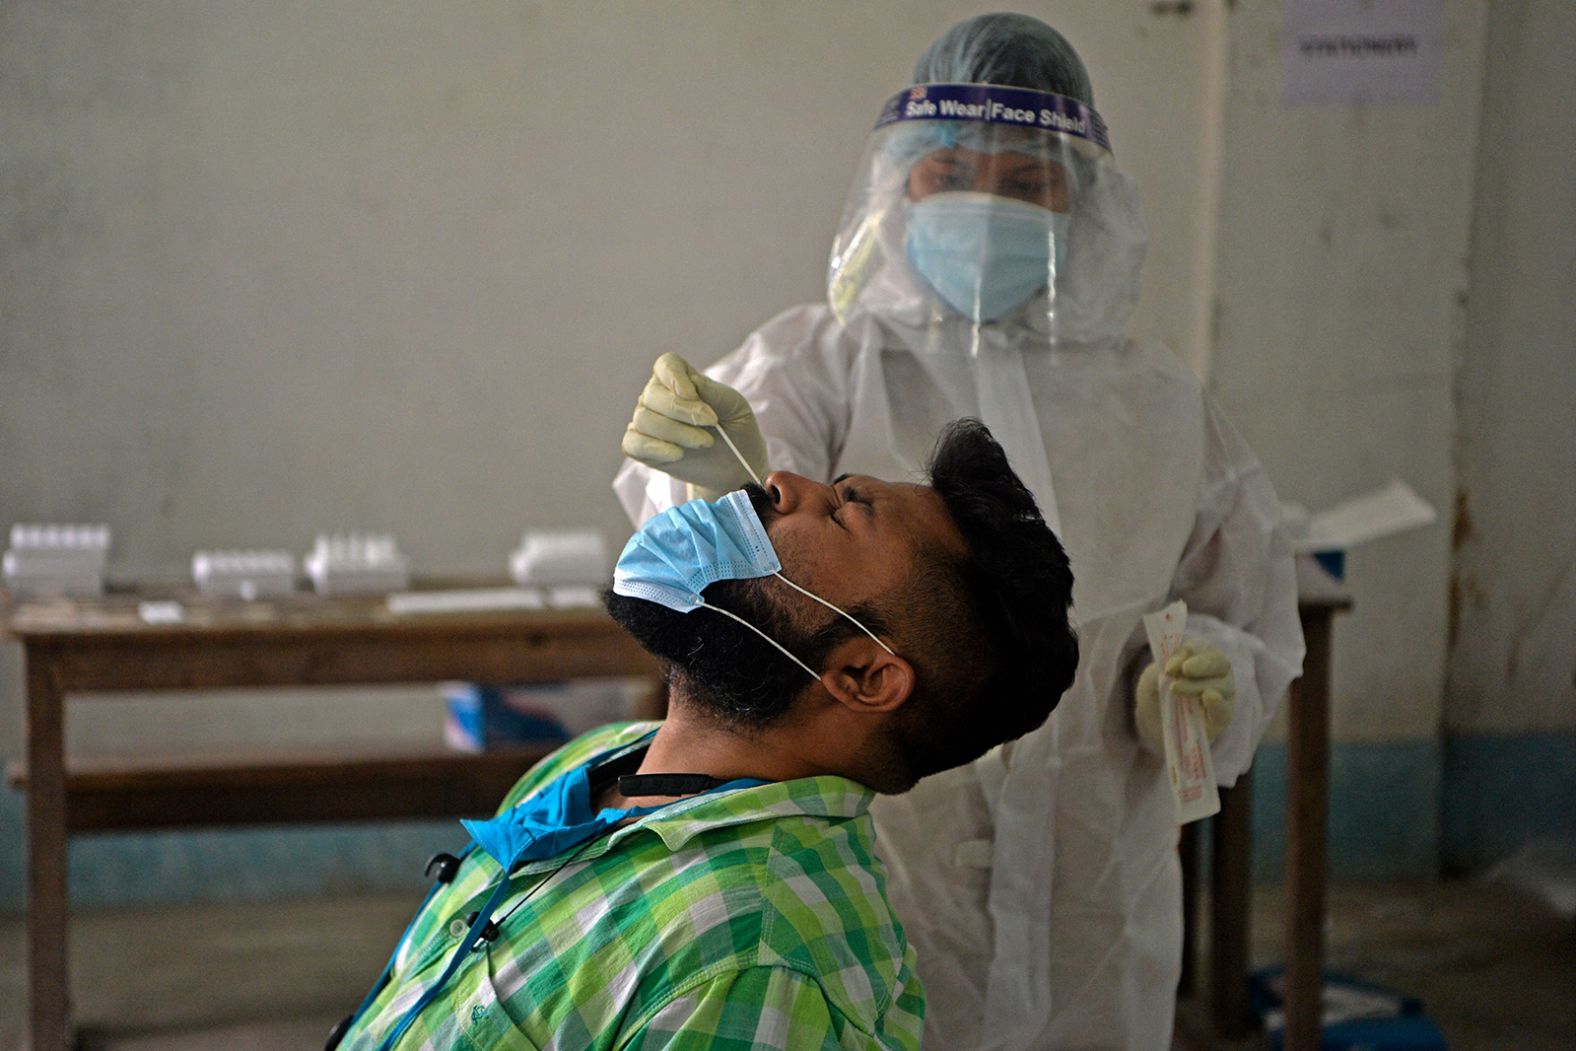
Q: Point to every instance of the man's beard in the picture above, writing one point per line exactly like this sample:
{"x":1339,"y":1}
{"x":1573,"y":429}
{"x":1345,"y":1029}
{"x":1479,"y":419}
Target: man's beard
{"x":716,"y":662}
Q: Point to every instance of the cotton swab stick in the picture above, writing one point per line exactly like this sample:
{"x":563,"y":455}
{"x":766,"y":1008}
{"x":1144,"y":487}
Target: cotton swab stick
{"x":740,"y":456}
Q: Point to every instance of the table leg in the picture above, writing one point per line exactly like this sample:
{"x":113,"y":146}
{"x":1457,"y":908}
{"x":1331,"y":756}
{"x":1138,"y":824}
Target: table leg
{"x":1307,"y":849}
{"x":49,"y":1019}
{"x":1189,"y":849}
{"x":1229,"y":905}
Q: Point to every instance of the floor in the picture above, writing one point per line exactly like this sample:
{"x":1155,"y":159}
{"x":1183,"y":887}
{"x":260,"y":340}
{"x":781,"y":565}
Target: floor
{"x":1495,"y":970}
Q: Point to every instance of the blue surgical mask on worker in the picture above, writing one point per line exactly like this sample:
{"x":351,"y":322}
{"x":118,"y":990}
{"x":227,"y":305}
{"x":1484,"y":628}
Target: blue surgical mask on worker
{"x":982,"y":253}
{"x":673,"y":558}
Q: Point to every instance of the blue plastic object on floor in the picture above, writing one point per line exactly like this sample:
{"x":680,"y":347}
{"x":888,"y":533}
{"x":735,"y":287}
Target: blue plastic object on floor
{"x":1358,"y":1016}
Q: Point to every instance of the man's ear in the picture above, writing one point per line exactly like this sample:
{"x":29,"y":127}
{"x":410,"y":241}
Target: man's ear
{"x":866,"y":679}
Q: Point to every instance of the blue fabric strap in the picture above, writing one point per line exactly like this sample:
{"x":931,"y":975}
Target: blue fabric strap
{"x":388,"y":968}
{"x":471,"y":941}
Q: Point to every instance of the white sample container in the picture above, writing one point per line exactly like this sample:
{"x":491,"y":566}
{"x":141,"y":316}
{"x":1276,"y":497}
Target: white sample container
{"x":561,"y":558}
{"x":55,"y":559}
{"x":244,"y":574}
{"x":357,"y":564}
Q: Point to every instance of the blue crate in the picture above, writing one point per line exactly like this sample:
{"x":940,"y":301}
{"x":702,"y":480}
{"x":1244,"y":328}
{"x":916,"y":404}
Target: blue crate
{"x":1359,"y":1016}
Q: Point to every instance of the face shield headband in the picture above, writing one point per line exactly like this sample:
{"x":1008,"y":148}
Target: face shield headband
{"x":991,"y":105}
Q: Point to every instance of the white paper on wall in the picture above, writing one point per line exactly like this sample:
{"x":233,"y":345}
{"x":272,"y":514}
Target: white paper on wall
{"x":1352,"y":52}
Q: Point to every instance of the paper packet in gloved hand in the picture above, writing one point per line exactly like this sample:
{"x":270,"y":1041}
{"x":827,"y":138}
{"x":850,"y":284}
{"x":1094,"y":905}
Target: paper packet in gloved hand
{"x":1189,"y":765}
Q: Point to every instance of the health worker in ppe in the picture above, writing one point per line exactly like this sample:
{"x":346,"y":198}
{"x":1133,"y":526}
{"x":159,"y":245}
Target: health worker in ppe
{"x":986,"y":264}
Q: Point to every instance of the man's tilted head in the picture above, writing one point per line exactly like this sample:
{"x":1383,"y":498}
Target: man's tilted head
{"x":962,"y":581}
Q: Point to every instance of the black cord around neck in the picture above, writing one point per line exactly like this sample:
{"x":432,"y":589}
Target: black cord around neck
{"x":637,"y":785}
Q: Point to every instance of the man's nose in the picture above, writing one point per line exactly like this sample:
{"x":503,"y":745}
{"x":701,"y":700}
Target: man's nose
{"x":789,"y":491}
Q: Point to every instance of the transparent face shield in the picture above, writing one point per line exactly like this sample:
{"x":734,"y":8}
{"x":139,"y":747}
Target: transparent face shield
{"x":979,"y":207}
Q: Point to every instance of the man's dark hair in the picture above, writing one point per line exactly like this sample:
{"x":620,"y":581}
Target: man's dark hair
{"x":1015,"y":587}
{"x":987,"y":633}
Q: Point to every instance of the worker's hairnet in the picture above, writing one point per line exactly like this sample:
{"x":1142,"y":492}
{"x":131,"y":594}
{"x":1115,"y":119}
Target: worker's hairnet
{"x":1007,"y":49}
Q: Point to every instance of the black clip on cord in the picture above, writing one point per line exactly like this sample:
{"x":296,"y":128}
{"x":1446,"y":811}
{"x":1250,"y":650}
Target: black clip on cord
{"x":447,"y":865}
{"x":336,"y":1034}
{"x":489,"y":930}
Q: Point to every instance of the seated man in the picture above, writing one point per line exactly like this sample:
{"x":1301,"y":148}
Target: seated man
{"x":709,"y":881}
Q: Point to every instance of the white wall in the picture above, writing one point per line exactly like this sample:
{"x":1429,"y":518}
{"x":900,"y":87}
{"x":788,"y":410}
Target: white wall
{"x":1513,"y":661}
{"x":273,"y":268}
{"x":1341,"y":289}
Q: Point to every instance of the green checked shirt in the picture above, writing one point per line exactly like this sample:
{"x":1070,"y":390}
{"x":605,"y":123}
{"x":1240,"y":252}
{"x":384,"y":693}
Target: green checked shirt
{"x":753,"y":918}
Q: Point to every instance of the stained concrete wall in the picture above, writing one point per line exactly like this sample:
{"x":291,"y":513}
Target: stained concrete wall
{"x":1340,"y":307}
{"x":1420,"y":324}
{"x":1510,"y":701}
{"x":1513,"y":665}
{"x":1341,"y":294}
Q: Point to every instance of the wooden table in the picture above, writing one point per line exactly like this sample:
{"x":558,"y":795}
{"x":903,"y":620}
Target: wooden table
{"x":78,"y":647}
{"x":1319,"y":598}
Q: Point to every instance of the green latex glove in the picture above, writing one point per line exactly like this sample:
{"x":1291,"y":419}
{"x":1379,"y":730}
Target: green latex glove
{"x":673,"y":430}
{"x":1197,"y":669}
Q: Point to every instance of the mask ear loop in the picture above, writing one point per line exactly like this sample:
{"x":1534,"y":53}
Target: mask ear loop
{"x":781,"y":648}
{"x":838,"y":610}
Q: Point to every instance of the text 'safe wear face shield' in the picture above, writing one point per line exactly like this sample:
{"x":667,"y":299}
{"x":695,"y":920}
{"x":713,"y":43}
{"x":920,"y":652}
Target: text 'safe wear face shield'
{"x":980,"y":207}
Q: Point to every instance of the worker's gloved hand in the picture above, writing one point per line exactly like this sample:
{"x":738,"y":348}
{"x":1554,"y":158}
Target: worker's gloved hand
{"x":1197,"y":669}
{"x":672,"y":430}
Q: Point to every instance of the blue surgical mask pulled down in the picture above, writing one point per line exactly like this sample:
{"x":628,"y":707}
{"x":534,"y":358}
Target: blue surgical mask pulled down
{"x":984,"y":254}
{"x":673,"y":558}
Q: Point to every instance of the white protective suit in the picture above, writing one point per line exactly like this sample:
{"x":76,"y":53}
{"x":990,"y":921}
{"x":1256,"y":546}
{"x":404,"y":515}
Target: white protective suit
{"x":1039,"y":885}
